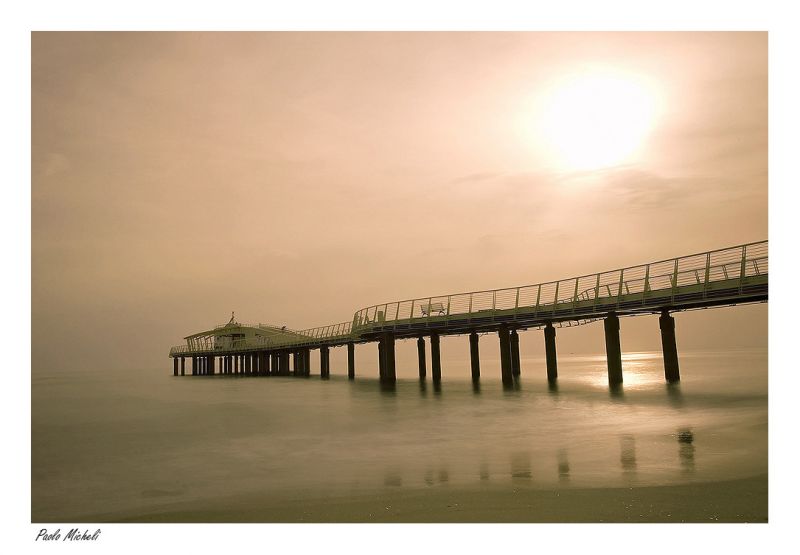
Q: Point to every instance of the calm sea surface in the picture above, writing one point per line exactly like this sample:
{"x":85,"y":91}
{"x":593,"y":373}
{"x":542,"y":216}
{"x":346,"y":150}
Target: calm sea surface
{"x":119,"y":444}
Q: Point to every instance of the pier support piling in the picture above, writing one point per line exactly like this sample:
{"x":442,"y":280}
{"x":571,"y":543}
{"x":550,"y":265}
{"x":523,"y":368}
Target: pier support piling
{"x":381,"y":360}
{"x":351,"y":361}
{"x":324,"y":362}
{"x":386,"y":355}
{"x":423,"y":371}
{"x":669,"y":347}
{"x":550,"y":352}
{"x":436,"y":359}
{"x":175,"y":366}
{"x":474,"y":356}
{"x":515,"y":366}
{"x":613,"y":351}
{"x":183,"y":366}
{"x":505,"y":355}
{"x":212,"y":367}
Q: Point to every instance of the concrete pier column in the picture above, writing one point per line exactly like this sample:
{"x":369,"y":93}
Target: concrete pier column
{"x":474,"y":356}
{"x":194,"y":366}
{"x":436,"y":359}
{"x":297,"y":363}
{"x":613,"y":351}
{"x":386,"y":352}
{"x":235,"y":364}
{"x":505,"y":355}
{"x":351,"y":361}
{"x":284,"y":363}
{"x":421,"y":356}
{"x":175,"y":366}
{"x":515,"y":367}
{"x":212,"y":367}
{"x":669,"y":347}
{"x":307,"y":361}
{"x":183,"y":366}
{"x":275,"y":369}
{"x":550,"y":352}
{"x":381,"y":361}
{"x":324,"y":362}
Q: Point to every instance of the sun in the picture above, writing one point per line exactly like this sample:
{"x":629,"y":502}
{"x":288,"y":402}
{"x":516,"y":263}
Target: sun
{"x":596,"y":119}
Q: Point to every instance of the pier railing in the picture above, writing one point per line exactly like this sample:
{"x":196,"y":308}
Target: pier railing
{"x":663,"y":282}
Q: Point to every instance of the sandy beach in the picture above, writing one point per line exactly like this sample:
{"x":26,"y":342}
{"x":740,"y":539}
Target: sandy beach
{"x":743,"y":500}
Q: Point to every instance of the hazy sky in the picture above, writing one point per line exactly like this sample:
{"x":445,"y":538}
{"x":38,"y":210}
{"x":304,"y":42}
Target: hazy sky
{"x":298,"y":177}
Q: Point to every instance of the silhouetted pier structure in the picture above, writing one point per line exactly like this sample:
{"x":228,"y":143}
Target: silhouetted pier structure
{"x":724,"y":277}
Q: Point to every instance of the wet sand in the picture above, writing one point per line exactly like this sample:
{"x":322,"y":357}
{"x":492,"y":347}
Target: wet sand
{"x":743,"y":500}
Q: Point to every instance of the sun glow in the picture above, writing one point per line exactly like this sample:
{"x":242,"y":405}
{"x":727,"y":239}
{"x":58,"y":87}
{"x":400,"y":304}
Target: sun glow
{"x":596,"y":119}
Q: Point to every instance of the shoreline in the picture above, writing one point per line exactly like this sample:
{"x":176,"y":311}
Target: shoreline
{"x":741,"y":500}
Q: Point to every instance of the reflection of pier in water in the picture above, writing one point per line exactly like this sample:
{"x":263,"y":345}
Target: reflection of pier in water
{"x":520,"y":468}
{"x":725,"y":277}
{"x":627,"y":455}
{"x":686,"y":449}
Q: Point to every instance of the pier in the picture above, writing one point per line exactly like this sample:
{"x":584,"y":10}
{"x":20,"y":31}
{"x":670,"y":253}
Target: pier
{"x":723,"y":277}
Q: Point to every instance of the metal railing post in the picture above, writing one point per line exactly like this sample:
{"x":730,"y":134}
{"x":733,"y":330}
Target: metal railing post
{"x":674,"y":282}
{"x":575,"y":296}
{"x":555,"y":298}
{"x":743,"y":269}
{"x":596,"y":291}
{"x":429,"y":310}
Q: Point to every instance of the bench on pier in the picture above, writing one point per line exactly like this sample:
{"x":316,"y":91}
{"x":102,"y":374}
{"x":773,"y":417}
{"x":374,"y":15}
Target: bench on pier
{"x":430,"y":308}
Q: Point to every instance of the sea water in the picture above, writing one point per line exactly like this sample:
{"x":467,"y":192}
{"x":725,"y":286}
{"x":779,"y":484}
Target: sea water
{"x":109,"y":444}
